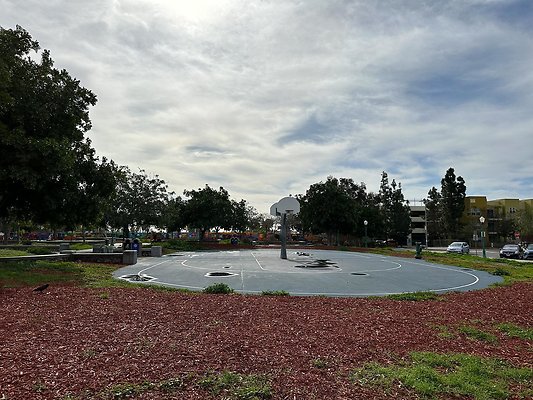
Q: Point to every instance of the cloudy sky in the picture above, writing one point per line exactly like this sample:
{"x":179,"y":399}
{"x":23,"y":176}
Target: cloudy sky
{"x":268,"y":97}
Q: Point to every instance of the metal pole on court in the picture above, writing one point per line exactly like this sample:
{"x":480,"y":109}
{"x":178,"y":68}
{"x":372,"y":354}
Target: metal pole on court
{"x":283,"y":237}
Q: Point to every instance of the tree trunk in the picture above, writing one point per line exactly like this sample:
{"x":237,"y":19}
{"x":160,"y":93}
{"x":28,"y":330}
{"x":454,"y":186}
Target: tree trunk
{"x":125,"y":232}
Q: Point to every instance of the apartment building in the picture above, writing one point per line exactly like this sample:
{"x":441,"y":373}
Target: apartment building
{"x":500,"y":217}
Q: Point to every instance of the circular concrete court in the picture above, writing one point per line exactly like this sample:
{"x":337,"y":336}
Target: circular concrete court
{"x":305,"y":272}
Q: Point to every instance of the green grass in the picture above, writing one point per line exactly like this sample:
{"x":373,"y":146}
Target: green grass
{"x":274,"y":293}
{"x":230,"y":385}
{"x":225,"y":385}
{"x":31,"y":273}
{"x":512,"y":330}
{"x":80,"y":246}
{"x":13,"y":253}
{"x":444,"y":332}
{"x":414,"y":296}
{"x":27,"y":251}
{"x":433,"y":376}
{"x":319,"y":363}
{"x":474,"y":333}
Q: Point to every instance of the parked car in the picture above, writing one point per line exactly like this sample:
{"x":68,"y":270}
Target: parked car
{"x":528,"y":253}
{"x":458,"y":247}
{"x":511,"y":251}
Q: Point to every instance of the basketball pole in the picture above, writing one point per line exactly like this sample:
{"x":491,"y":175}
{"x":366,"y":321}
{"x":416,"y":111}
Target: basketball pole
{"x":283,"y":237}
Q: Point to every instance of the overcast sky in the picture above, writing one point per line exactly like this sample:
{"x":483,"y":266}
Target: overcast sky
{"x":267,"y":97}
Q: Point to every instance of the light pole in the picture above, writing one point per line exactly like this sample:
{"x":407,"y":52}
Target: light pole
{"x":366,"y":237}
{"x":482,"y":221}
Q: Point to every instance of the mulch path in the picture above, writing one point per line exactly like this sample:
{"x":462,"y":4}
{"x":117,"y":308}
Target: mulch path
{"x":78,"y":341}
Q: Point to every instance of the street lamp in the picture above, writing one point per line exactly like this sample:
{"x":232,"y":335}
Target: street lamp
{"x":366,"y":238}
{"x":482,"y":221}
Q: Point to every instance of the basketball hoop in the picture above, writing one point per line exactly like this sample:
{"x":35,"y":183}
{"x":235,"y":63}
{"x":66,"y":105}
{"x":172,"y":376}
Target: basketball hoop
{"x":286,"y":206}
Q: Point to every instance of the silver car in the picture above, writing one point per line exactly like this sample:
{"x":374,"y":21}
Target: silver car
{"x":458,"y":247}
{"x":528,"y":253}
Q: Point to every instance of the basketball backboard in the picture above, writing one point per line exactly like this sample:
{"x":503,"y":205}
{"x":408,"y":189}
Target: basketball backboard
{"x":287,"y":205}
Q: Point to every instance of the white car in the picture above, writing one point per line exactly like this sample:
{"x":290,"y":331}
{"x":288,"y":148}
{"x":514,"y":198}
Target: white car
{"x":458,"y":247}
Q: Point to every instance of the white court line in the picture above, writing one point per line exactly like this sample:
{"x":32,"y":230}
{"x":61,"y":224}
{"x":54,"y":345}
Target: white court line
{"x":257,"y":261}
{"x":155,"y":265}
{"x":476,"y":278}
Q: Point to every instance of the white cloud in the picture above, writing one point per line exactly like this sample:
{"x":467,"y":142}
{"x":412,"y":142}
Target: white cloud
{"x":266,"y":98}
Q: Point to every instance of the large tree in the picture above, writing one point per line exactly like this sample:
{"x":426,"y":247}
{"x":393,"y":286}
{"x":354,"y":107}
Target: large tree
{"x":444,"y":209}
{"x":453,"y":193}
{"x":49,"y":172}
{"x":139,"y":202}
{"x":433,"y":205}
{"x":525,"y":223}
{"x":395,"y":209}
{"x":207,"y":208}
{"x":172,"y":216}
{"x":330,"y":207}
{"x":239,"y":216}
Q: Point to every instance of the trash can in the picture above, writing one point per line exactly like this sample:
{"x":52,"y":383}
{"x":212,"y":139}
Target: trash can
{"x":418,"y":254}
{"x":136,"y":246}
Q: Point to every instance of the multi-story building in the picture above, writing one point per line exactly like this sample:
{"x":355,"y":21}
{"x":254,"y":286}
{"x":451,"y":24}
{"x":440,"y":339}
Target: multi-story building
{"x":418,"y":225}
{"x":500,"y":217}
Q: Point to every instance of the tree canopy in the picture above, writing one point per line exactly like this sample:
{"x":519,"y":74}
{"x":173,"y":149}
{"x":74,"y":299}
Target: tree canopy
{"x":141,"y":201}
{"x":395,"y":210}
{"x":48,"y":169}
{"x":207,"y":208}
{"x":446,"y":207}
{"x":330,"y":207}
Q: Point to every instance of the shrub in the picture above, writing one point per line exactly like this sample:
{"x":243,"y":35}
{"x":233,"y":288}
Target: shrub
{"x":500,"y":272}
{"x":41,"y":250}
{"x":218,"y":288}
{"x":183,"y":245}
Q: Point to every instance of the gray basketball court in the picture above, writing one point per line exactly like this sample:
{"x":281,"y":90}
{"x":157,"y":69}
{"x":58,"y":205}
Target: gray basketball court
{"x":305,"y":272}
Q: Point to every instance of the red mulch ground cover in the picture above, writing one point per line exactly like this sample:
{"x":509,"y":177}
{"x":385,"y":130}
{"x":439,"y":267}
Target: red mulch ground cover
{"x":84,"y":341}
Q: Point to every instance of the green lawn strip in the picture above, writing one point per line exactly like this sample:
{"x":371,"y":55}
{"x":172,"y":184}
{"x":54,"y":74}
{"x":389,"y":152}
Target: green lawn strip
{"x":512,"y":330}
{"x":17,"y":251}
{"x":32,"y":273}
{"x":431,"y":375}
{"x":80,"y":246}
{"x":510,"y":270}
{"x":13,"y":253}
{"x":225,"y":384}
{"x":27,"y":273}
{"x":275,"y":293}
{"x":231,"y":385}
{"x":474,"y":333}
{"x":414,"y":296}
